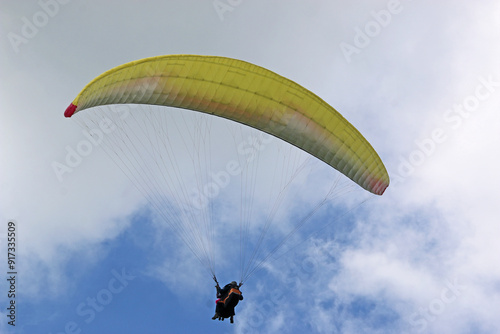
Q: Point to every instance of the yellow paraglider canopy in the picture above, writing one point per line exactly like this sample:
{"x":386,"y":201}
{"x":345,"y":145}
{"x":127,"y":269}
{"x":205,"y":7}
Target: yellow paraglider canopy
{"x":244,"y":93}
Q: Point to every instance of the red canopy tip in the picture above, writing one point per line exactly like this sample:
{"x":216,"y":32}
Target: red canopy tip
{"x":70,"y":110}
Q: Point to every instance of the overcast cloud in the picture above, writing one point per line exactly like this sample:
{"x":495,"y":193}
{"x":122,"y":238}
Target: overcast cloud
{"x":419,"y":79}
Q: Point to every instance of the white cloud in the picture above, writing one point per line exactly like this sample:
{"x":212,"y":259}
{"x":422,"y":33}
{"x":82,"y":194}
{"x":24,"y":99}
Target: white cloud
{"x":436,"y":225}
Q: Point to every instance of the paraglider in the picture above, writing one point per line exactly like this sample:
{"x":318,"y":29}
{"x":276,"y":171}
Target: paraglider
{"x":227,"y":299}
{"x":155,"y":153}
{"x":245,"y":93}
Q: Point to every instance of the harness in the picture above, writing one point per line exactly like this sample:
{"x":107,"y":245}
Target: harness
{"x":233,"y":290}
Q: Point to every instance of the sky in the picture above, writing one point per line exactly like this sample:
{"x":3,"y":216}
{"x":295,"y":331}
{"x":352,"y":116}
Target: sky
{"x":419,"y":79}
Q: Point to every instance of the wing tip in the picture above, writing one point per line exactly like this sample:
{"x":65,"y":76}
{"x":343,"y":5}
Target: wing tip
{"x":378,"y":187}
{"x":70,"y":110}
{"x":382,"y":189}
